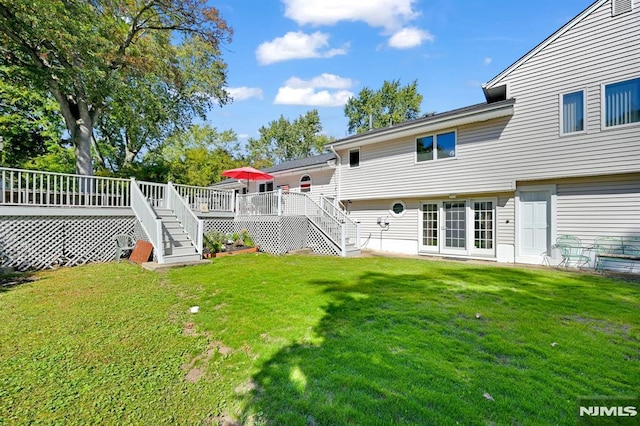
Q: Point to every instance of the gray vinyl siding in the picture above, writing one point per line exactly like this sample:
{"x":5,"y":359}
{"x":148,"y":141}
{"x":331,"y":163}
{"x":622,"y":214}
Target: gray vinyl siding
{"x":506,"y":216}
{"x":590,"y":208}
{"x":400,"y":228}
{"x":323,"y":181}
{"x":493,"y":155}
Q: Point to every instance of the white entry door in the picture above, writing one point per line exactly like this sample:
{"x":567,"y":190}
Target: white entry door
{"x":534,"y":223}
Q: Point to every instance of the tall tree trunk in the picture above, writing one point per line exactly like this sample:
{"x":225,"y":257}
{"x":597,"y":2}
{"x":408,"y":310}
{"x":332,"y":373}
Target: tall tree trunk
{"x":82,"y":145}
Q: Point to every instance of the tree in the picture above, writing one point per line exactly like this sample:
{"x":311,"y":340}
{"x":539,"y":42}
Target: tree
{"x":85,"y":53}
{"x":391,"y":104}
{"x":30,"y":124}
{"x":197,"y":156}
{"x":283,"y":140}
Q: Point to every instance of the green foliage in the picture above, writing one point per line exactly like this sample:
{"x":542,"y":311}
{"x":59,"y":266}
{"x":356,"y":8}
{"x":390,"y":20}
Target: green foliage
{"x":391,"y":104}
{"x":283,"y":140}
{"x":30,"y":123}
{"x":214,"y":241}
{"x":314,"y":340}
{"x":196,"y":156}
{"x":110,"y":63}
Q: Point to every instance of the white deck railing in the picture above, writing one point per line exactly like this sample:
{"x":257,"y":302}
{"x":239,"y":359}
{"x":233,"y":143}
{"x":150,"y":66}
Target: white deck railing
{"x":35,"y":188}
{"x":192,"y":225}
{"x":147,"y":217}
{"x":206,"y":199}
{"x":334,"y":224}
{"x":352,"y":228}
{"x":155,"y":193}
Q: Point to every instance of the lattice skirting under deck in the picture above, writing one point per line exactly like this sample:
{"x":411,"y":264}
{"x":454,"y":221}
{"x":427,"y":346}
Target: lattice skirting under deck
{"x":43,"y":242}
{"x":277,"y":234}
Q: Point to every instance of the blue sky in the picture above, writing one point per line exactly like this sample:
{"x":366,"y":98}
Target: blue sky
{"x":290,"y":56}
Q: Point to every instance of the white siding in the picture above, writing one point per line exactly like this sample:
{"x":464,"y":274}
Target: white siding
{"x":400,"y":228}
{"x":323,"y":181}
{"x":506,"y":214}
{"x":589,"y":208}
{"x":493,"y":155}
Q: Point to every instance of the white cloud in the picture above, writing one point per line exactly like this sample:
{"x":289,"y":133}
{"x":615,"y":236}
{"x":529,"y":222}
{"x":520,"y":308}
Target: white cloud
{"x":297,"y":45}
{"x":406,"y":38}
{"x":244,"y":92}
{"x":388,"y":14}
{"x":243,"y":136}
{"x":305,"y":92}
{"x":325,"y":80}
{"x":488,"y":61}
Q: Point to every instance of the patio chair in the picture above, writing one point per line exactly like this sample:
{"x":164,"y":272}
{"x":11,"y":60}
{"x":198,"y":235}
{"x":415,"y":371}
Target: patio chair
{"x":572,"y":251}
{"x":124,"y":244}
{"x":607,"y":248}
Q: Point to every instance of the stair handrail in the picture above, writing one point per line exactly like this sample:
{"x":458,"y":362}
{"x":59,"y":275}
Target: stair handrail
{"x":312,"y":210}
{"x":192,"y":224}
{"x":149,"y":220}
{"x":352,"y":226}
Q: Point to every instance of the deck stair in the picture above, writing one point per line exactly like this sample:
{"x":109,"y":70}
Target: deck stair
{"x":176,"y":244}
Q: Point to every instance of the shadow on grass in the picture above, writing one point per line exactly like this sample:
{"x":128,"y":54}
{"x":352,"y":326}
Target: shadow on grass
{"x":12,"y":280}
{"x":470,"y":345}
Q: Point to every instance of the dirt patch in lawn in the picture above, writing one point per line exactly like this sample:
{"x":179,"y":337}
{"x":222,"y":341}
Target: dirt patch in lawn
{"x":196,"y":368}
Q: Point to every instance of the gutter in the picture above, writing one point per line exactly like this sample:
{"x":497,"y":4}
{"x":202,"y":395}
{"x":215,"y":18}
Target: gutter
{"x":338,"y":171}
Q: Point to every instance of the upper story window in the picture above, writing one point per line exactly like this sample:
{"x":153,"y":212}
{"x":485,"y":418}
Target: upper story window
{"x":622,"y":103}
{"x":436,"y":147}
{"x":572,"y":117}
{"x":354,"y":158}
{"x":305,"y":183}
{"x":265,"y":187}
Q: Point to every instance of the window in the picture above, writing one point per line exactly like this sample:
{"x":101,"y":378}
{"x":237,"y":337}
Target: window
{"x":354,"y":158}
{"x":622,"y":103}
{"x":483,"y":225}
{"x":265,"y":187}
{"x":430,"y":225}
{"x":572,"y":118}
{"x":305,"y":183}
{"x":436,"y":147}
{"x":398,"y":208}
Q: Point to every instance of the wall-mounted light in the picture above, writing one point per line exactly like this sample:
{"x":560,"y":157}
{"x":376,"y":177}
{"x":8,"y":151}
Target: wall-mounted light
{"x":452,"y":195}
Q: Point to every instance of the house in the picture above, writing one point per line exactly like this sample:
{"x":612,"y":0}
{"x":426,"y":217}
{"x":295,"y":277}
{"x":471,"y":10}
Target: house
{"x":554,"y":150}
{"x":314,"y":175}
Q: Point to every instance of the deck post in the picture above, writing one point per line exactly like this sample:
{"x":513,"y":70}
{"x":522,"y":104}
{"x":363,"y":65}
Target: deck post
{"x":357,"y":234}
{"x":280,"y":202}
{"x":343,"y":229}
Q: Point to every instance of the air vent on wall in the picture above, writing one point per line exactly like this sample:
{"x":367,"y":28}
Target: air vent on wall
{"x":621,"y":6}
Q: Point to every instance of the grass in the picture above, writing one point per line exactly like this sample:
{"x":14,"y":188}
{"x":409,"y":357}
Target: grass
{"x":315,"y":341}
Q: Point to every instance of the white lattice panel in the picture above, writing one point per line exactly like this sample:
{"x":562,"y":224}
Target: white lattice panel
{"x":41,"y":242}
{"x":277,"y":235}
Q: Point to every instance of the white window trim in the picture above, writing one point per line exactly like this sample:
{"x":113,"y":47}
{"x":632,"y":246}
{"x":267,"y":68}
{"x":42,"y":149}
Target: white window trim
{"x":359,"y":158}
{"x":584,"y":112}
{"x":404,"y":210}
{"x":471,"y":238}
{"x":310,"y":181}
{"x":435,"y":139}
{"x":603,"y":106}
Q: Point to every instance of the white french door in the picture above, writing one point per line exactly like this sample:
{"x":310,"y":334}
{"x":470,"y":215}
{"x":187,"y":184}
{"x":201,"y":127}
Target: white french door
{"x":458,"y":227}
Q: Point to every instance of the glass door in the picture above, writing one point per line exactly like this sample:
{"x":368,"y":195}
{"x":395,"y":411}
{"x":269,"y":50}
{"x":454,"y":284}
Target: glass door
{"x":430,"y":227}
{"x":455,"y":227}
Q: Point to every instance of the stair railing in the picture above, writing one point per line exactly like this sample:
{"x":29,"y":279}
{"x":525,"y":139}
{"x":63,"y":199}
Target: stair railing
{"x":148,"y":219}
{"x":352,"y":228}
{"x":192,"y":225}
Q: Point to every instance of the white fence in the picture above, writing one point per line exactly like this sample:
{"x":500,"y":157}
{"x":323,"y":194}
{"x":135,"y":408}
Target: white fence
{"x":206,"y":199}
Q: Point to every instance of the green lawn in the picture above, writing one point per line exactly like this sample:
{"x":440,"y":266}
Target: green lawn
{"x":315,"y":341}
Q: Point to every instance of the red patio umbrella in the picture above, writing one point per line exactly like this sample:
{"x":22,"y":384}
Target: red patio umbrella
{"x":248,"y":173}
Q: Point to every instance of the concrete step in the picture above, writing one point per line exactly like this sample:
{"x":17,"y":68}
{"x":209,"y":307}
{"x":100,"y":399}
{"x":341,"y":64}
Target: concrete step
{"x":181,"y":258}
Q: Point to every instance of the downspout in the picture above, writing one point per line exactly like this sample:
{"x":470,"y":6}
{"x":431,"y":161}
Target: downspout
{"x":339,"y":163}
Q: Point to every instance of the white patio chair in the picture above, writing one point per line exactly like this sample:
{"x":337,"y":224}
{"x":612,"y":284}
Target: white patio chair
{"x":124,"y":243}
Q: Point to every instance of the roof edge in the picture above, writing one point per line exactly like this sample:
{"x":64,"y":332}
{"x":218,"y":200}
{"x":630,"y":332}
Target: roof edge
{"x":566,"y":27}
